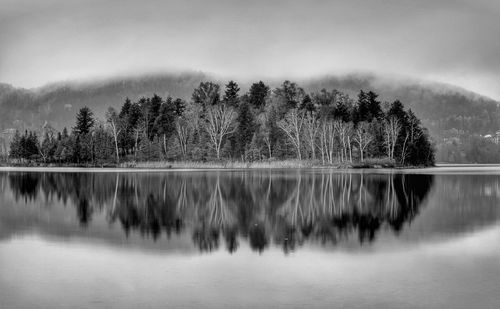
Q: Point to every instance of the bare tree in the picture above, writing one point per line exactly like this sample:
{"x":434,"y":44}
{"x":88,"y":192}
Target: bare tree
{"x":391,"y":132}
{"x":265,"y":131}
{"x":292,"y":126}
{"x":139,"y":131}
{"x":414,"y":132}
{"x":312,"y":125}
{"x":344,"y":130}
{"x":219,"y":123}
{"x":183,"y":130}
{"x":114,"y":123}
{"x":362,"y":137}
{"x":327,"y":141}
{"x":186,"y":125}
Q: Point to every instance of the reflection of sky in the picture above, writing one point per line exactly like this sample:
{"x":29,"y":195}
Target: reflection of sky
{"x":462,"y":273}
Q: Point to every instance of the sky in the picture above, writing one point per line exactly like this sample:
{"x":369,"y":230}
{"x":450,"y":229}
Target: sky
{"x":450,"y":41}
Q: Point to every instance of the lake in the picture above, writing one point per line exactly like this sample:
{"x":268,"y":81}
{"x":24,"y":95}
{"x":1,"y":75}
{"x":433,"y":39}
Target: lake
{"x":309,"y":238}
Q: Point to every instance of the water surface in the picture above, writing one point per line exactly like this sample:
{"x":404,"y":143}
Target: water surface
{"x":251,"y":239}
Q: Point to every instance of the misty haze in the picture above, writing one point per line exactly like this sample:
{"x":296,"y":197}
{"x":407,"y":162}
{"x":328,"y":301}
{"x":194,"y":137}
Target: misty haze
{"x":249,"y":154}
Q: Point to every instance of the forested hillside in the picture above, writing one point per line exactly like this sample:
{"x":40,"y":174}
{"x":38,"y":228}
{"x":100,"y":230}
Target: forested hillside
{"x":455,"y":117}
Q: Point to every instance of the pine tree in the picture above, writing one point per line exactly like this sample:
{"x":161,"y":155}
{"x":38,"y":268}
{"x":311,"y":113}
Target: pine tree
{"x":397,"y":110}
{"x":375,"y":111}
{"x":257,"y":94}
{"x":231,"y":96}
{"x":125,"y":108}
{"x":152,"y":111}
{"x":84,"y":121}
{"x":362,"y":111}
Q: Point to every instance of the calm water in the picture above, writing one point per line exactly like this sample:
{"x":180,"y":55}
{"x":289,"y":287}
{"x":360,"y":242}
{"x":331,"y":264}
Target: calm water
{"x":251,"y":239}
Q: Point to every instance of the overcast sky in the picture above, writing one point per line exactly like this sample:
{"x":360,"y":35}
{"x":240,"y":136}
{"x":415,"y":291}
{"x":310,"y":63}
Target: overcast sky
{"x":452,"y":41}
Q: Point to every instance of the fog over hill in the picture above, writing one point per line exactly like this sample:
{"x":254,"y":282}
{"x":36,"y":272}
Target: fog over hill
{"x":447,"y":111}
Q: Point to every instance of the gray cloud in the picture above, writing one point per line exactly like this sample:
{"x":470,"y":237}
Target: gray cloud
{"x":444,"y":40}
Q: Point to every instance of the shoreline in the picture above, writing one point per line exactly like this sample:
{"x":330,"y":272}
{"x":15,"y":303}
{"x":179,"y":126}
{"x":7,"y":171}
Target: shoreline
{"x":217,"y":164}
{"x":438,"y":169}
{"x":164,"y":166}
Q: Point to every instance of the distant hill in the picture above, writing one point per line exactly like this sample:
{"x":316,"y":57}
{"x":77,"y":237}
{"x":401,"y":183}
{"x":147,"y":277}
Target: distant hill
{"x":446,"y":110}
{"x":58,"y":103}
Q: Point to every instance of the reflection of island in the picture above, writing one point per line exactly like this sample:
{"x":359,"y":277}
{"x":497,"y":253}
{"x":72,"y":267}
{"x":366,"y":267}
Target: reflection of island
{"x":286,"y":208}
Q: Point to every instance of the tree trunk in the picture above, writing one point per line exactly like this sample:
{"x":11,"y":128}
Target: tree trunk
{"x":117,"y":152}
{"x":217,"y":148}
{"x":165,"y":145}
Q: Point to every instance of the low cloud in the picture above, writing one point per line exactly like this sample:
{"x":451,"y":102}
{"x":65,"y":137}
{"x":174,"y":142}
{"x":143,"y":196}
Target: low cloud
{"x":444,"y":40}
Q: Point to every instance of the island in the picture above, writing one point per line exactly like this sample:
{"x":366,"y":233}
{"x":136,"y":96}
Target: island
{"x":282,"y":127}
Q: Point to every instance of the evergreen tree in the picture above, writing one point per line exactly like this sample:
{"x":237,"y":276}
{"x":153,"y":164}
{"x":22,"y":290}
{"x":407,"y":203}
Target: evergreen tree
{"x":125,"y":108}
{"x":419,"y":150}
{"x":362,"y":111}
{"x":180,"y":106}
{"x":231,"y":96}
{"x":25,"y":146}
{"x":397,"y":110}
{"x":341,"y":112}
{"x":84,"y":121}
{"x":152,"y":111}
{"x":257,"y":94}
{"x":374,"y":108}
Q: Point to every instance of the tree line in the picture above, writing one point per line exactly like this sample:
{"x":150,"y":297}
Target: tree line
{"x":327,"y":127}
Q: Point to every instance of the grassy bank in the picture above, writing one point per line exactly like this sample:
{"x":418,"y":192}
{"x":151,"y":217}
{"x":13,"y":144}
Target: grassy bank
{"x":219,"y":164}
{"x":370,"y":163}
{"x":278,"y":164}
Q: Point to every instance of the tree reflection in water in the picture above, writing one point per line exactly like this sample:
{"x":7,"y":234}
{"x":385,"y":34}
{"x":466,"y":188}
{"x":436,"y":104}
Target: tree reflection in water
{"x":262,"y":207}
